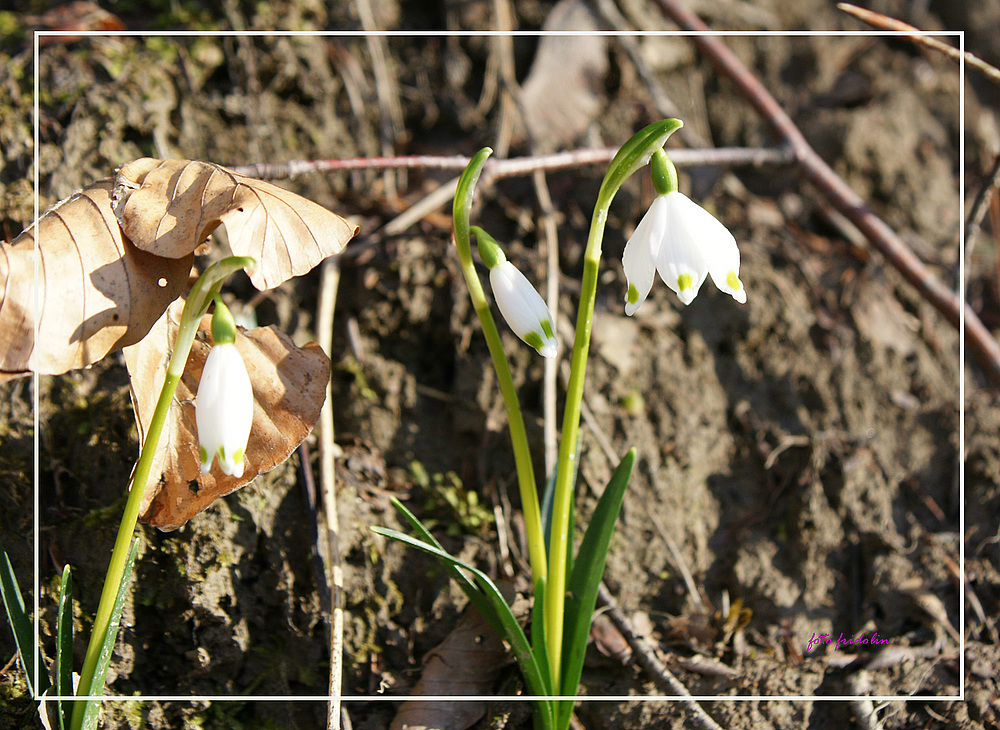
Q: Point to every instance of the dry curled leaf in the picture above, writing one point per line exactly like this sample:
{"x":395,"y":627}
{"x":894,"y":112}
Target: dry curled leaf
{"x":169,"y":208}
{"x":97,"y":292}
{"x":465,"y":663}
{"x":289,"y":387}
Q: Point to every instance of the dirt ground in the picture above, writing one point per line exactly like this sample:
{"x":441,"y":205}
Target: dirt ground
{"x":803,"y":452}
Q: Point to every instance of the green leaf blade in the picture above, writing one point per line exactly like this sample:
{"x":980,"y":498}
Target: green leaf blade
{"x":489,"y":594}
{"x":587,"y":572}
{"x":64,"y":648}
{"x":20,"y":623}
{"x":92,"y":707}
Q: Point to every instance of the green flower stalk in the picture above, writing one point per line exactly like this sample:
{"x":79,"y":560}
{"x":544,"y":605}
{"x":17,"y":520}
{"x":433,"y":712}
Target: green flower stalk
{"x":633,"y":155}
{"x":201,"y":295}
{"x":566,"y":585}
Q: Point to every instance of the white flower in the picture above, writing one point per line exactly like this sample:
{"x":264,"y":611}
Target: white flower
{"x":224,"y":410}
{"x":685,"y":243}
{"x":523,"y":308}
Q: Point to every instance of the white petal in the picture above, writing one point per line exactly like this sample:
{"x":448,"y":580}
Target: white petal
{"x":679,"y":260}
{"x":224,"y":410}
{"x":639,"y":259}
{"x":719,"y":250}
{"x":523,"y":308}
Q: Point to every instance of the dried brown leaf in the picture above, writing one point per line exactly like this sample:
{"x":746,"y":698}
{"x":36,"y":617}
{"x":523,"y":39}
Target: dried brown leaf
{"x":97,"y":292}
{"x":169,"y":207}
{"x":465,"y":663}
{"x":289,"y":387}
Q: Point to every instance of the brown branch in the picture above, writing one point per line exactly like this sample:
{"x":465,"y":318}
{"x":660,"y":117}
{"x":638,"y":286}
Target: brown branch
{"x":919,"y":36}
{"x":840,"y":195}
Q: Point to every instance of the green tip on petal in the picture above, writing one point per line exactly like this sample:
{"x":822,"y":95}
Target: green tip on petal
{"x":535,"y":340}
{"x":547,"y":330}
{"x":733,"y":281}
{"x":238,"y":456}
{"x":685,"y":282}
{"x":632,"y":295}
{"x":204,"y":454}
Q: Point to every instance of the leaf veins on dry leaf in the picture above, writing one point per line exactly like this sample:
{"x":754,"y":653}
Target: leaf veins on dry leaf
{"x":111,"y":260}
{"x":113,"y":256}
{"x":97,"y":291}
{"x":168,"y":207}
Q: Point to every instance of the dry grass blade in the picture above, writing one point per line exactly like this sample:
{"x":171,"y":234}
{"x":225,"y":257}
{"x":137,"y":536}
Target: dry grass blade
{"x":289,"y":386}
{"x":169,"y":208}
{"x":97,"y":292}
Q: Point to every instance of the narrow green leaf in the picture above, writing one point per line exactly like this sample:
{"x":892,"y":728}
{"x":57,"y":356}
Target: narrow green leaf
{"x":457,"y":575}
{"x":20,"y":623}
{"x":92,"y":708}
{"x":64,"y":648}
{"x":538,"y":635}
{"x":586,"y":576}
{"x":509,"y":627}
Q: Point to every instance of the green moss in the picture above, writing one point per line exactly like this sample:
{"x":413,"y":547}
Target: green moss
{"x":450,"y":505}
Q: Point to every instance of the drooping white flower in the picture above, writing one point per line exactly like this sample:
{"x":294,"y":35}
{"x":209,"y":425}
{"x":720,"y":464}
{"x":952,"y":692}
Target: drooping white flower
{"x":684,"y":243}
{"x":523,"y":308}
{"x":224,"y":410}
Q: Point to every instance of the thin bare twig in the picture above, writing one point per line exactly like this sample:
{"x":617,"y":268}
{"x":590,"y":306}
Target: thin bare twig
{"x":390,"y":111}
{"x":329,"y":284}
{"x":839,"y":193}
{"x":922,"y":37}
{"x":646,"y":657}
{"x":504,"y":48}
{"x":551,"y":238}
{"x":497,"y":168}
{"x":981,"y":204}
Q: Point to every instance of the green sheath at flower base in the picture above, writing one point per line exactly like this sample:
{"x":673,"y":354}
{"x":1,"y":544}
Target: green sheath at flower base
{"x":223,"y":324}
{"x":663,"y":172}
{"x":489,"y":250}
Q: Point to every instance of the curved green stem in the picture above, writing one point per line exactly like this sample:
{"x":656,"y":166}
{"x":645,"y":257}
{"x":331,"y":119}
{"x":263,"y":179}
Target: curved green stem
{"x":633,"y":155}
{"x":518,"y":434}
{"x":194,"y":309}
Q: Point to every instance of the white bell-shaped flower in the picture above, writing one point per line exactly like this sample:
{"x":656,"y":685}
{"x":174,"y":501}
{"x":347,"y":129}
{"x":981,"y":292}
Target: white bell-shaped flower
{"x":224,"y":410}
{"x":684,"y":243}
{"x":523,"y":308}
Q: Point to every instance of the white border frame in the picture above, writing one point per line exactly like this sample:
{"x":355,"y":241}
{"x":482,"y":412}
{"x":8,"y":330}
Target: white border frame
{"x":525,"y":698}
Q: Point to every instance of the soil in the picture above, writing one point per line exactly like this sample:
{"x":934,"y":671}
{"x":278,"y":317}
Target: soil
{"x":804,"y":452}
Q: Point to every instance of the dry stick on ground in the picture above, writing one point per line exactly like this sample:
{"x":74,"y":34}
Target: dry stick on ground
{"x":515,"y":166}
{"x":504,"y":47}
{"x":646,"y":658}
{"x":390,"y":110}
{"x":922,"y":37}
{"x":329,"y":284}
{"x":981,"y":205}
{"x":841,"y":196}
